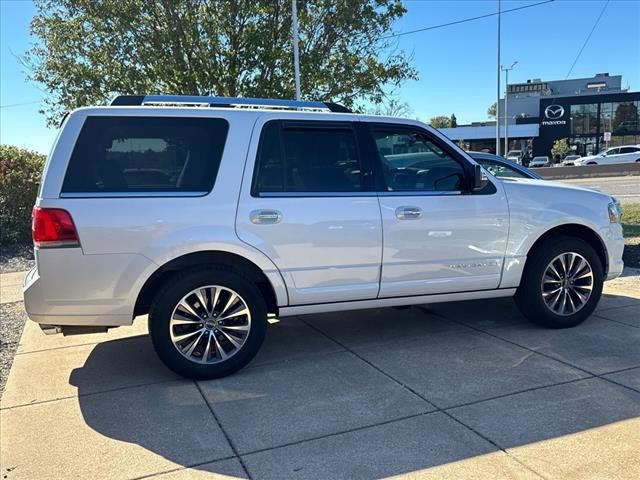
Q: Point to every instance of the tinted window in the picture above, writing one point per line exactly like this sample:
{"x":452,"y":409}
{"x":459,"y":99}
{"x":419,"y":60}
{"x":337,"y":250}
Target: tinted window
{"x":629,"y":150}
{"x":307,"y":158}
{"x":146,"y":154}
{"x":411,"y":162}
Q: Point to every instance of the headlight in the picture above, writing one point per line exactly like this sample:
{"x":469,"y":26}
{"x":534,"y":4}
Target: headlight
{"x":615,"y":211}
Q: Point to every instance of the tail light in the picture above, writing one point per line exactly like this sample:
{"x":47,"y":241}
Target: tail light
{"x":53,"y":227}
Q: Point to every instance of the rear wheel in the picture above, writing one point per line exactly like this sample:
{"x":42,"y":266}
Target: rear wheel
{"x":207,"y":323}
{"x":562,"y":283}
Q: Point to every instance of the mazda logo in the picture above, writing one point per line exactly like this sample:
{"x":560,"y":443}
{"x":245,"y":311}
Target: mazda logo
{"x":553,"y":112}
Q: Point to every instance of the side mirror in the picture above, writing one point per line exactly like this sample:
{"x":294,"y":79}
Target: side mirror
{"x":479,"y":178}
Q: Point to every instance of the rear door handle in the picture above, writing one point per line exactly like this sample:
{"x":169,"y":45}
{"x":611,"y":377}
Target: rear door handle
{"x":408,"y":213}
{"x":265,"y":217}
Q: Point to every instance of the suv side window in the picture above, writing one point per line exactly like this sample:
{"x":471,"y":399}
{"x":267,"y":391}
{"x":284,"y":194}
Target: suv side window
{"x":307,"y":157}
{"x":412,"y":162}
{"x":123,"y":155}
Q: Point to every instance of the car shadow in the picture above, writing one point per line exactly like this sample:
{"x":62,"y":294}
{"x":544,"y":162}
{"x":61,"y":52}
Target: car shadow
{"x":146,"y":405}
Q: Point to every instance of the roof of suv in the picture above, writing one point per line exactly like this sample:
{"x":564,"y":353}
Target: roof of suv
{"x":227,"y":102}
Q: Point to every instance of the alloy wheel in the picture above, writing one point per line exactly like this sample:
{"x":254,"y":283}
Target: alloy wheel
{"x":210,"y":324}
{"x":567,"y":283}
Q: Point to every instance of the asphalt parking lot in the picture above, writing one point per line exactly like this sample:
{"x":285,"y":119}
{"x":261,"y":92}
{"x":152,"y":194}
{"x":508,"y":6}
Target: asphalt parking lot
{"x":466,"y":390}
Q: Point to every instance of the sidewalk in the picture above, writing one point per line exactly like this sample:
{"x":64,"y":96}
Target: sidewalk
{"x":466,"y":390}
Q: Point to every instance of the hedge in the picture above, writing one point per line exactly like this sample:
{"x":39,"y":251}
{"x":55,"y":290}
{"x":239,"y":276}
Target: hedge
{"x":20,"y":172}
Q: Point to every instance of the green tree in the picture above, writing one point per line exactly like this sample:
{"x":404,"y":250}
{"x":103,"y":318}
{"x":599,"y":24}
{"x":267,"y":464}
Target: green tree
{"x":20,"y":172}
{"x":88,"y":51}
{"x":453,"y":121}
{"x":391,"y":108}
{"x":491,"y":111}
{"x":560,"y":149}
{"x":440,"y":121}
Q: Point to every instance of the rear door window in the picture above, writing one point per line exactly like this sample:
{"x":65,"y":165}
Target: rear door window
{"x":307,"y":157}
{"x":121,"y":155}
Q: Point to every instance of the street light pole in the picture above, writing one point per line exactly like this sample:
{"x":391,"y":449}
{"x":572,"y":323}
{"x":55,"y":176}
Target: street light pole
{"x":296,"y":54}
{"x":498,"y":89}
{"x":506,"y":105}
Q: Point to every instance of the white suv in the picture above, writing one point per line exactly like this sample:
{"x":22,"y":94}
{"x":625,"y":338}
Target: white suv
{"x":210,"y":214}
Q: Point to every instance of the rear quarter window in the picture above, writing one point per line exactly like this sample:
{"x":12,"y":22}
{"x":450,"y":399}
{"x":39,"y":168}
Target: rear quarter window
{"x":122,"y":155}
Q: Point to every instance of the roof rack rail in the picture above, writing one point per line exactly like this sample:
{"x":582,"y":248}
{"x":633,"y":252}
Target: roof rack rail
{"x":228,"y":102}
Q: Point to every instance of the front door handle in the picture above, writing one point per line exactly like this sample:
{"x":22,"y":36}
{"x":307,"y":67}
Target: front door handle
{"x":408,"y":213}
{"x":265,"y":217}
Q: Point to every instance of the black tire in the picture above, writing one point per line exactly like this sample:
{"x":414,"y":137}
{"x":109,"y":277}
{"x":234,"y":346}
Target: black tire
{"x":529,"y":298}
{"x":172,"y":293}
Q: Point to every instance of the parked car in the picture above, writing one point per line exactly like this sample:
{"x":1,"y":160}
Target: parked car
{"x":501,"y":167}
{"x":516,"y":156}
{"x":569,"y":160}
{"x":539,"y":162}
{"x":623,"y":154}
{"x":213,"y":219}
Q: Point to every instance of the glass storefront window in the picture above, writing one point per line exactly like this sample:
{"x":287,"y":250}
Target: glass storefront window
{"x":584,"y":119}
{"x":625,"y":118}
{"x":606,"y":115}
{"x":577,"y":120}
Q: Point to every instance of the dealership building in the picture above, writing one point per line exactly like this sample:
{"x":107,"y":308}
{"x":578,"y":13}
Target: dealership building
{"x":591,"y":113}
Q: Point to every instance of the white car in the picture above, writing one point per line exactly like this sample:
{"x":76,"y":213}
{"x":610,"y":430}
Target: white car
{"x":623,"y":154}
{"x":515,"y":156}
{"x":570,"y":160}
{"x":212,"y":214}
{"x":539,"y":162}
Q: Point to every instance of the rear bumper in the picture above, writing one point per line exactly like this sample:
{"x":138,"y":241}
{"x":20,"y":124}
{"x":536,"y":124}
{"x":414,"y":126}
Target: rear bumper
{"x":68,"y":288}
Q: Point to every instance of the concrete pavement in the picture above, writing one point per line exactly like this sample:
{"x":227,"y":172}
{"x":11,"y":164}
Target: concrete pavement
{"x":465,"y":390}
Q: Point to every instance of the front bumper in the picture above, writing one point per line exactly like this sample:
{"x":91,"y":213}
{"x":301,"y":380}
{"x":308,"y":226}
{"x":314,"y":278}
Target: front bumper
{"x":614,"y":241}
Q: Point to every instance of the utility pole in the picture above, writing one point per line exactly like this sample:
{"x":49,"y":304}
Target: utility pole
{"x":498,"y":89}
{"x":506,"y":105}
{"x":296,"y":54}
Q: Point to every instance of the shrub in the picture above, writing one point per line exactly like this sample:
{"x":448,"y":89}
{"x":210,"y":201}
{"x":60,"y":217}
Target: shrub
{"x":20,"y":172}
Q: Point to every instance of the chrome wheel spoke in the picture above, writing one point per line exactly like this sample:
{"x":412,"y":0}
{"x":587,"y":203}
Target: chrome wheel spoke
{"x":203,"y":337}
{"x":237,"y":328}
{"x":207,"y":348}
{"x":567,"y":283}
{"x":578,"y":268}
{"x":188,"y":308}
{"x":201,"y":294}
{"x":178,"y":338}
{"x":231,"y":339}
{"x":219,"y":349}
{"x":232,"y":299}
{"x":242,"y":311}
{"x":181,"y":319}
{"x":553,"y":270}
{"x":192,"y":346}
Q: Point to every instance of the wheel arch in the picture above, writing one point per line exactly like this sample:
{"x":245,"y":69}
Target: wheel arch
{"x":578,"y":231}
{"x":203,"y":258}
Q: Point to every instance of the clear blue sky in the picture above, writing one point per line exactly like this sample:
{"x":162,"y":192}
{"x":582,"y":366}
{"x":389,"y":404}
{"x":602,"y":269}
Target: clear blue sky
{"x":456,"y":64}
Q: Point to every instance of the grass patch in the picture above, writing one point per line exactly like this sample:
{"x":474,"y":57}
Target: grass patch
{"x":631,"y":220}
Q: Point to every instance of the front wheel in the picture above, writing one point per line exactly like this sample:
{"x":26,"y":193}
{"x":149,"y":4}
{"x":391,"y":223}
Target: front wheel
{"x":207,"y":323}
{"x":561,"y":284}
